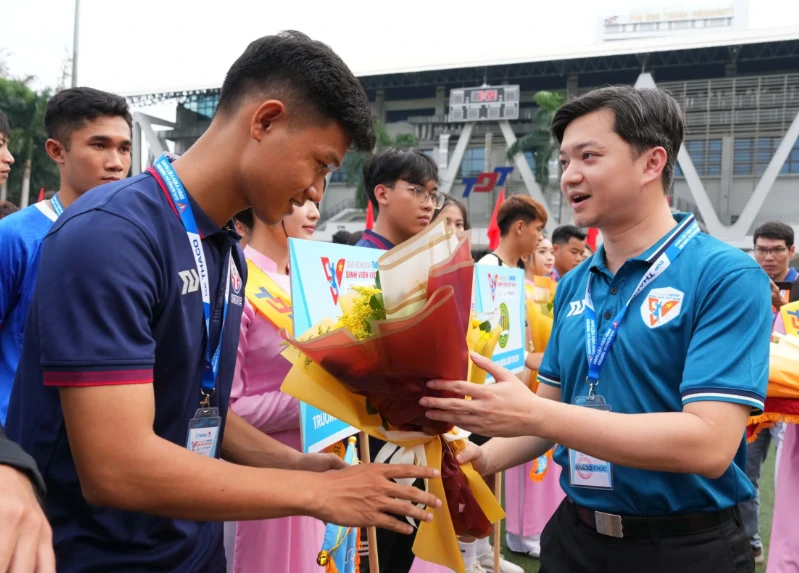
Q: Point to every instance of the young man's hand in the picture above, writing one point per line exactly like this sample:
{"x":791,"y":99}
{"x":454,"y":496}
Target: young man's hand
{"x":776,"y":297}
{"x":365,"y":496}
{"x":503,"y":409}
{"x":26,"y":540}
{"x":475,"y":455}
{"x":320,"y":462}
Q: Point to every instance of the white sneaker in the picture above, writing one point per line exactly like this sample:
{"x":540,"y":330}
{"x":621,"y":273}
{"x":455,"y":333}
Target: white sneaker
{"x":475,"y":568}
{"x":487,"y":561}
{"x":535,"y":552}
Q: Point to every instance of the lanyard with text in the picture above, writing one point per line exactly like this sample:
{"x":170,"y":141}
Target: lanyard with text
{"x":55,"y":203}
{"x":660,"y":261}
{"x":178,"y":194}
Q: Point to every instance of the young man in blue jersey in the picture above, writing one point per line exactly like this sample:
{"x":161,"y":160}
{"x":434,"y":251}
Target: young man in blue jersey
{"x":89,"y":133}
{"x":649,"y":406}
{"x":402,"y":185}
{"x":122,"y":390}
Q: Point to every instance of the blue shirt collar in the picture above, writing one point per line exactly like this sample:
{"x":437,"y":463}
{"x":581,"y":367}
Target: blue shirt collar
{"x":598,"y":260}
{"x":378,"y":241}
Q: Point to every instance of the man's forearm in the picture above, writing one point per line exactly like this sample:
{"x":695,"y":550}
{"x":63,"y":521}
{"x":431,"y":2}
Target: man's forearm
{"x":675,"y":442}
{"x":504,"y":453}
{"x":161,"y":478}
{"x":246,"y":445}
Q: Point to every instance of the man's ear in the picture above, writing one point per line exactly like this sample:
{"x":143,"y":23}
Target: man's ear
{"x":56,"y":150}
{"x":381,"y":195}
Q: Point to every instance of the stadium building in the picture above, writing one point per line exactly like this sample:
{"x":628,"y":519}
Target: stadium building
{"x":739,"y":165}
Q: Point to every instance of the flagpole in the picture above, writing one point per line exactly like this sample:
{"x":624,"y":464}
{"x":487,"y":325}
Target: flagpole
{"x":498,"y":526}
{"x":371,"y":532}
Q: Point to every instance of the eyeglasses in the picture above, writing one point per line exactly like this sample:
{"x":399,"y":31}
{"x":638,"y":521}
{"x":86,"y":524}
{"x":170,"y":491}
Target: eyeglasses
{"x":423,"y":195}
{"x":763,"y":252}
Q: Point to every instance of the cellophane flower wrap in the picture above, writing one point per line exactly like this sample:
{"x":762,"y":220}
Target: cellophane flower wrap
{"x":371,"y":372}
{"x":782,"y":393}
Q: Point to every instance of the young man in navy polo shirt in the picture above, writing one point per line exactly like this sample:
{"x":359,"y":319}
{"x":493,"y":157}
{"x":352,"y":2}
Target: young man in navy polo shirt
{"x":649,"y":406}
{"x":402,"y":186}
{"x":122,"y":391}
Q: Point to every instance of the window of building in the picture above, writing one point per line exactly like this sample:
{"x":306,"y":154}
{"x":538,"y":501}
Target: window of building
{"x":340,"y":175}
{"x":402,"y":115}
{"x":204,"y":105}
{"x":705,"y":155}
{"x":473,"y":162}
{"x":752,"y":155}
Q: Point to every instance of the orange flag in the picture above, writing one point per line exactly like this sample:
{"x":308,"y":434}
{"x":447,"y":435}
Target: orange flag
{"x":370,"y":216}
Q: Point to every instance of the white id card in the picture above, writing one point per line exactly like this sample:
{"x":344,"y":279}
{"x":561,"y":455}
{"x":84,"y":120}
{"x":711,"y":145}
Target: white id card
{"x":585,"y":470}
{"x":203,"y":432}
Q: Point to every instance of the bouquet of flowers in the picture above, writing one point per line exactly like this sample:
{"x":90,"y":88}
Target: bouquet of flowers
{"x":371,"y":367}
{"x":782,"y":394}
{"x":482,"y":339}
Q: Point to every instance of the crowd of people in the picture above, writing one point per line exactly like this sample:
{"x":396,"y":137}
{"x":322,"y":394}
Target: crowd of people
{"x":125,"y":326}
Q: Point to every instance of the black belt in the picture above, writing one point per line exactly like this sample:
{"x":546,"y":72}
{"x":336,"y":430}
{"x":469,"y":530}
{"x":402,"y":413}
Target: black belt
{"x":654,"y":527}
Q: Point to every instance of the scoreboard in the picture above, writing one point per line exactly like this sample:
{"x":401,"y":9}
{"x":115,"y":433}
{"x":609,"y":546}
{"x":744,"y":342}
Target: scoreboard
{"x":486,"y":103}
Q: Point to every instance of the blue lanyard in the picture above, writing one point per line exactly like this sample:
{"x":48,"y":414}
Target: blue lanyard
{"x":660,"y":260}
{"x":178,"y":194}
{"x":55,"y":203}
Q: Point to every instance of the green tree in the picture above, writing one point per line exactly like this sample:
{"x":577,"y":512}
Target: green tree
{"x":539,"y":141}
{"x":353,"y":165}
{"x":25,"y":110}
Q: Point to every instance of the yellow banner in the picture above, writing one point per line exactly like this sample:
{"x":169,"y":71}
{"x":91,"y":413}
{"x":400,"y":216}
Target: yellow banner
{"x":268,"y":298}
{"x":790,"y":318}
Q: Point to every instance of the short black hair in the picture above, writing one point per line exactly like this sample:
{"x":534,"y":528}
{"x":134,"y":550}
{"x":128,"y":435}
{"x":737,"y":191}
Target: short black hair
{"x":69,"y":109}
{"x":519,"y":208}
{"x":5,"y":127}
{"x":644,"y":118}
{"x":776,"y":231}
{"x":7,"y":207}
{"x":293,"y":66}
{"x":564,"y":234}
{"x":354,"y":238}
{"x":390,"y":165}
{"x":341,"y":237}
{"x":450,"y":200}
{"x":245,"y":218}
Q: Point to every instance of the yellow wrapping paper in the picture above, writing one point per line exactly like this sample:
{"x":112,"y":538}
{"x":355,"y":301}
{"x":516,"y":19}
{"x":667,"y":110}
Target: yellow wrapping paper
{"x":436,"y":541}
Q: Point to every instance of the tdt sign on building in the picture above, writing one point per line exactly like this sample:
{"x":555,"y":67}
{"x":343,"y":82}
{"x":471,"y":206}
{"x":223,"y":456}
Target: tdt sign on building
{"x":485,"y":182}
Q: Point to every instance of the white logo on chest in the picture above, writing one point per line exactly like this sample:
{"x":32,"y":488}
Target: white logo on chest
{"x":661,"y":305}
{"x":576,"y":307}
{"x":191,"y":281}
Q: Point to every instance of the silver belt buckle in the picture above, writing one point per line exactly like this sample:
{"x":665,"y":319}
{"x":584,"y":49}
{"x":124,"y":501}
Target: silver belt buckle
{"x":608,"y":524}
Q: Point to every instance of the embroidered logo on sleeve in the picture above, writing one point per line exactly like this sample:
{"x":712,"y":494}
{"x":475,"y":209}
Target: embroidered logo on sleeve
{"x":660,"y":306}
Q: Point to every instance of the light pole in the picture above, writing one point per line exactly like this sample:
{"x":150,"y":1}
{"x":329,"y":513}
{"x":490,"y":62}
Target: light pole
{"x":75,"y":45}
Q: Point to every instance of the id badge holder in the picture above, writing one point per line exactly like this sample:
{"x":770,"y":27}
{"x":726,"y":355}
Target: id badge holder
{"x":585,"y":470}
{"x":204,"y":431}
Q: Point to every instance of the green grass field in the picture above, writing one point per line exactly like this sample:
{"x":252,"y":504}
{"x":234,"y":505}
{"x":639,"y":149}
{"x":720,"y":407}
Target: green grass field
{"x":766,"y":511}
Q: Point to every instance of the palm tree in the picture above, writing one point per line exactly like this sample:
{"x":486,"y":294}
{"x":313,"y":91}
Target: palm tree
{"x":539,"y":141}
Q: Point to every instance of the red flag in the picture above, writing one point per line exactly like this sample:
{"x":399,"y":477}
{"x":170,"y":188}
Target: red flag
{"x":370,"y":216}
{"x":591,"y":239}
{"x":41,"y":195}
{"x":493,"y":228}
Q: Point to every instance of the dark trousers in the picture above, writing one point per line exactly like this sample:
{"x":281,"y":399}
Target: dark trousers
{"x":570,"y":546}
{"x":394,"y":550}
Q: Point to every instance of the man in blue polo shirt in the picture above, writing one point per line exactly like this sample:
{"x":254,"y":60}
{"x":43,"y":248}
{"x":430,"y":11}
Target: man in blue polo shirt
{"x":658,"y":354}
{"x":402,"y":186}
{"x":89,"y":133}
{"x":122,"y":391}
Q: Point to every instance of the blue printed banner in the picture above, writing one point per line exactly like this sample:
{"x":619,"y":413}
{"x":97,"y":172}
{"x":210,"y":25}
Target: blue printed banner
{"x":501,"y":290}
{"x":320,"y":274}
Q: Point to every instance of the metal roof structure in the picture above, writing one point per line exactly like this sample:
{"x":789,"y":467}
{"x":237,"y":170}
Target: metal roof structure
{"x":752,"y":51}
